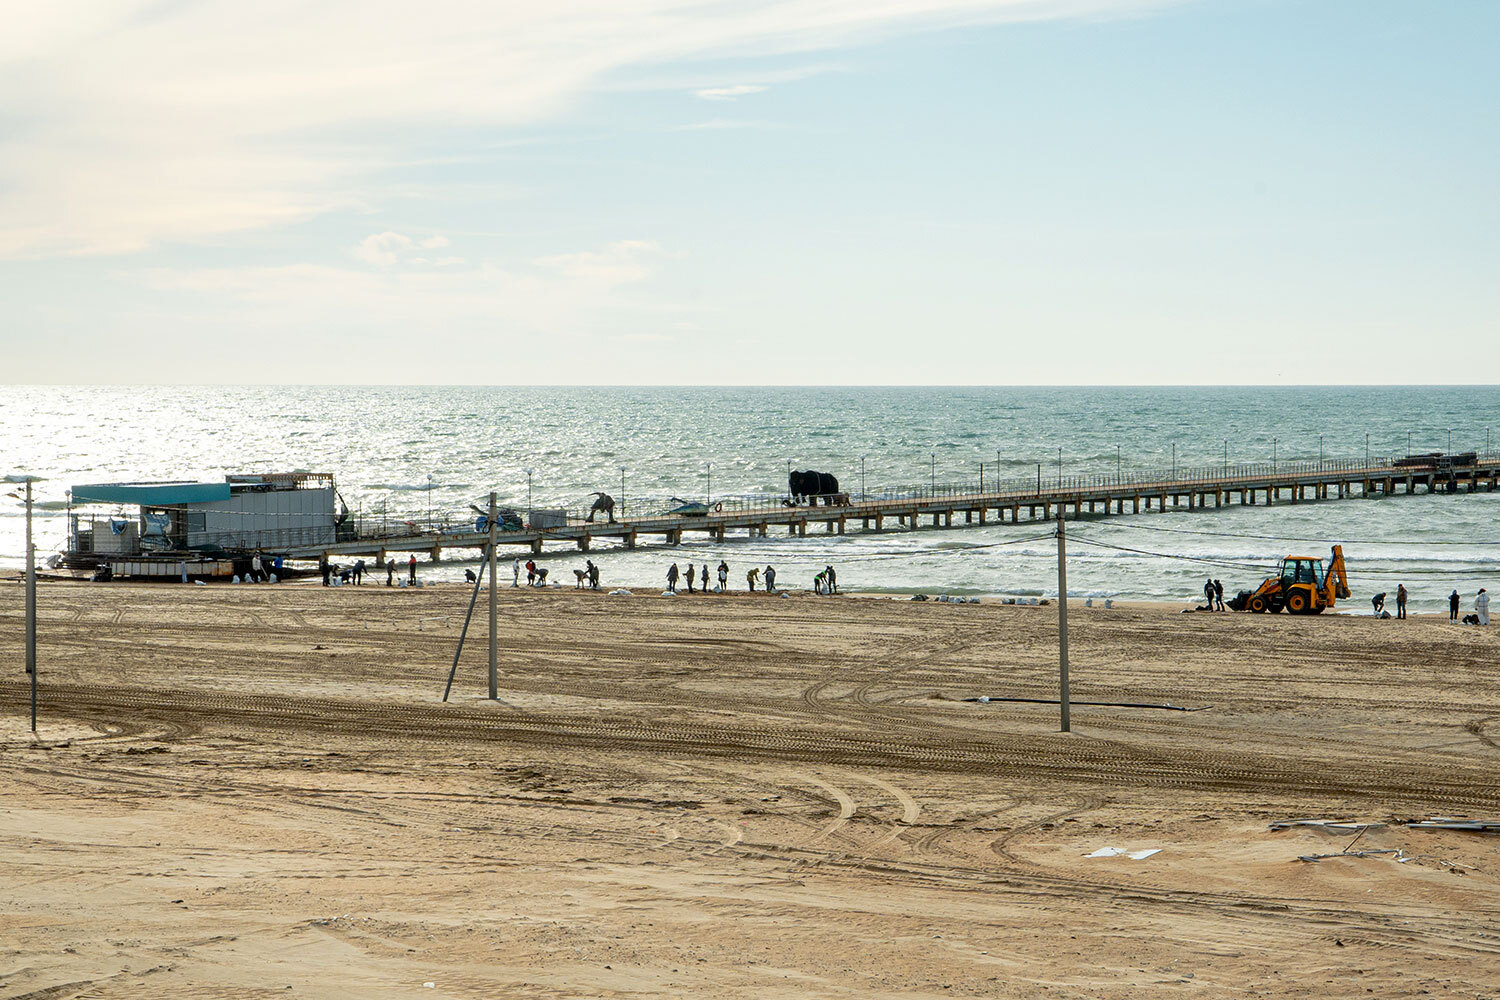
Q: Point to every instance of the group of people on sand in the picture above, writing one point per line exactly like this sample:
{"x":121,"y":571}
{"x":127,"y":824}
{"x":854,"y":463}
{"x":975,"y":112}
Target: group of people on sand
{"x":336,"y":575}
{"x":755,"y":578}
{"x":826,"y":582}
{"x":1213,"y":593}
{"x":1481,"y":615}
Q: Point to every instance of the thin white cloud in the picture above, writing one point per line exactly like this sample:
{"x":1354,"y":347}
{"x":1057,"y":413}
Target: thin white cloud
{"x":382,"y":249}
{"x":620,"y":262}
{"x":134,"y":122}
{"x":730,"y":93}
{"x":724,"y":123}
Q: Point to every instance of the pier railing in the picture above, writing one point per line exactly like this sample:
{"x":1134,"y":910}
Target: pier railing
{"x":651,"y":507}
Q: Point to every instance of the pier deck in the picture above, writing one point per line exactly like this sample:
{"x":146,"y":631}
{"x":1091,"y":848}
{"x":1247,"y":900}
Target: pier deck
{"x":1010,"y":503}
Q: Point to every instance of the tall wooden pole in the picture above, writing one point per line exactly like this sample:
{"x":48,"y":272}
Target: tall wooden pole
{"x":494,"y":611}
{"x":1062,"y":623}
{"x":30,"y":606}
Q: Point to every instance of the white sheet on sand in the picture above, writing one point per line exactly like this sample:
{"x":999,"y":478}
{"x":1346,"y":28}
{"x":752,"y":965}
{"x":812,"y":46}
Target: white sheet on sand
{"x":1116,"y":852}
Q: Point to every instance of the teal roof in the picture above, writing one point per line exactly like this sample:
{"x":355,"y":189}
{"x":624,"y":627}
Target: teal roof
{"x":151,"y":494}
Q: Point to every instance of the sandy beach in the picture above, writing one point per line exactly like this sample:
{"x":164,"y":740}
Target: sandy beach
{"x":256,"y":791}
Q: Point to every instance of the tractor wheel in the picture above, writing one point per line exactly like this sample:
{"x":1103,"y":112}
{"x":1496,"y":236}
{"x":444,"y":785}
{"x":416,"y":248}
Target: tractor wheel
{"x":1297,"y":602}
{"x":1258,"y":605}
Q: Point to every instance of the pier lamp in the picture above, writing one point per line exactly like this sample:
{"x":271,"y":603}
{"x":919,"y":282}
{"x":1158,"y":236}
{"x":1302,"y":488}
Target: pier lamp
{"x":1367,"y":449}
{"x":528,"y":495}
{"x":862,"y":477}
{"x":1117,"y":465}
{"x":622,"y":491}
{"x":1059,"y":467}
{"x":710,"y":467}
{"x":1408,"y":444}
{"x":1174,"y":461}
{"x":934,"y":473}
{"x":1226,"y":456}
{"x":1273,"y":455}
{"x":429,"y":501}
{"x":1450,"y":441}
{"x":1320,"y":452}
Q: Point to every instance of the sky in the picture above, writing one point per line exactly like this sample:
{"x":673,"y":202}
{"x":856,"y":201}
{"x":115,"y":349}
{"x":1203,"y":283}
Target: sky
{"x":1050,"y":192}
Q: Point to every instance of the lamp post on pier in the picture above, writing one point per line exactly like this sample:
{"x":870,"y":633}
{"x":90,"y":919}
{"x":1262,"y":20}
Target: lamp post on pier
{"x":1174,"y":461}
{"x":1226,"y":457}
{"x":429,"y":501}
{"x":1117,"y":464}
{"x":862,"y":478}
{"x":622,"y":491}
{"x":1450,"y":441}
{"x":1320,"y":453}
{"x":710,"y":467}
{"x":1273,"y":455}
{"x":1059,"y":467}
{"x":1408,"y":444}
{"x":933,"y":468}
{"x":528,"y":497}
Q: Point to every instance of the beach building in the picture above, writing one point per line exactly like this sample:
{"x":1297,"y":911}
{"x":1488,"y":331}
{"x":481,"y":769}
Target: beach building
{"x":200,"y":528}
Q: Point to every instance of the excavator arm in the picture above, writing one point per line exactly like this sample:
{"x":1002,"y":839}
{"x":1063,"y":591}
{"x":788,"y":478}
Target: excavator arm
{"x":1336,"y":583}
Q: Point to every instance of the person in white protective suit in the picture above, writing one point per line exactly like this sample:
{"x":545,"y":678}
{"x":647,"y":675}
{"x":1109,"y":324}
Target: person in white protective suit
{"x":1482,"y":606}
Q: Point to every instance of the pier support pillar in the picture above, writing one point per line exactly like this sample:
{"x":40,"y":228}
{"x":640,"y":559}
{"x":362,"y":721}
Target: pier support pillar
{"x":536,"y":546}
{"x":437,"y":553}
{"x":583,"y":543}
{"x":1015,"y":514}
{"x":1077,"y":509}
{"x":630,"y":539}
{"x":801,"y":529}
{"x":841,"y":525}
{"x":968,"y":517}
{"x":1135,"y":505}
{"x":1000,"y":513}
{"x":948,"y":519}
{"x":879,"y":522}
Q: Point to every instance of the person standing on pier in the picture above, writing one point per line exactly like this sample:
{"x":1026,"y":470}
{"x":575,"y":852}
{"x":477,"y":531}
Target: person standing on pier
{"x":1482,"y":606}
{"x":692,"y":574}
{"x":1453,"y":605}
{"x":672,"y":578}
{"x":1400,"y":600}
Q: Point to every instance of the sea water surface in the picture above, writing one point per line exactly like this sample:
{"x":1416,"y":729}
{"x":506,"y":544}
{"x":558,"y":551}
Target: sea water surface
{"x":397,"y":452}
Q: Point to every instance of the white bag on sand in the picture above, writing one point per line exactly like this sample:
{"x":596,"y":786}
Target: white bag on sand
{"x":621,"y":592}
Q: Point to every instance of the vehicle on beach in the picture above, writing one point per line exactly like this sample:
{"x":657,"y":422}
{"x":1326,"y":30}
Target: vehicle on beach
{"x":1300,"y":586}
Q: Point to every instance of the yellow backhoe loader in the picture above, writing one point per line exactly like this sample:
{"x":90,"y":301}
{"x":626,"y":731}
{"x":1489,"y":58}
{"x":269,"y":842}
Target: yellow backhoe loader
{"x":1300,"y":586}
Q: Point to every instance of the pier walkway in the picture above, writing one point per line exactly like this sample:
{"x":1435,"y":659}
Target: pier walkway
{"x":1010,"y":502}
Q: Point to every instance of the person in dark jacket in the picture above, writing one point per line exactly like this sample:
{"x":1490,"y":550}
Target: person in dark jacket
{"x":327,"y":571}
{"x":1218,"y":595}
{"x":1453,"y":606}
{"x":1400,"y":600}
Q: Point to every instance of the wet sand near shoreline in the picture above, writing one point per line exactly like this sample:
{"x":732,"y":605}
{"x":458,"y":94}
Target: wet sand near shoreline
{"x":256,"y":791}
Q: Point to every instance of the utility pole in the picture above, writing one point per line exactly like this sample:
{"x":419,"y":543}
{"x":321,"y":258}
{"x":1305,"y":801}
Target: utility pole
{"x":494,"y":612}
{"x":1063,"y":698}
{"x":30,"y":605}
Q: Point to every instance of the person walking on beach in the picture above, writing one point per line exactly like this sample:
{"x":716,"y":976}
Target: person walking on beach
{"x":770,"y":578}
{"x":411,"y":569}
{"x":255,"y":567}
{"x":830,"y":580}
{"x":1218,"y":595}
{"x":752,"y":578}
{"x":672,"y":578}
{"x":1453,"y":605}
{"x":692,"y":574}
{"x":723,"y":576}
{"x":1400,"y":600}
{"x":1482,"y":606}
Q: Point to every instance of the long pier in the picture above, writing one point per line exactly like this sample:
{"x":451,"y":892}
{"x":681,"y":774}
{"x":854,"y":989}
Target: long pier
{"x":1012,"y":502}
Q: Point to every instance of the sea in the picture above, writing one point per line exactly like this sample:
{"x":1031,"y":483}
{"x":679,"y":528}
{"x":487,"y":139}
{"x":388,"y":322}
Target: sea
{"x":429,"y":452}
